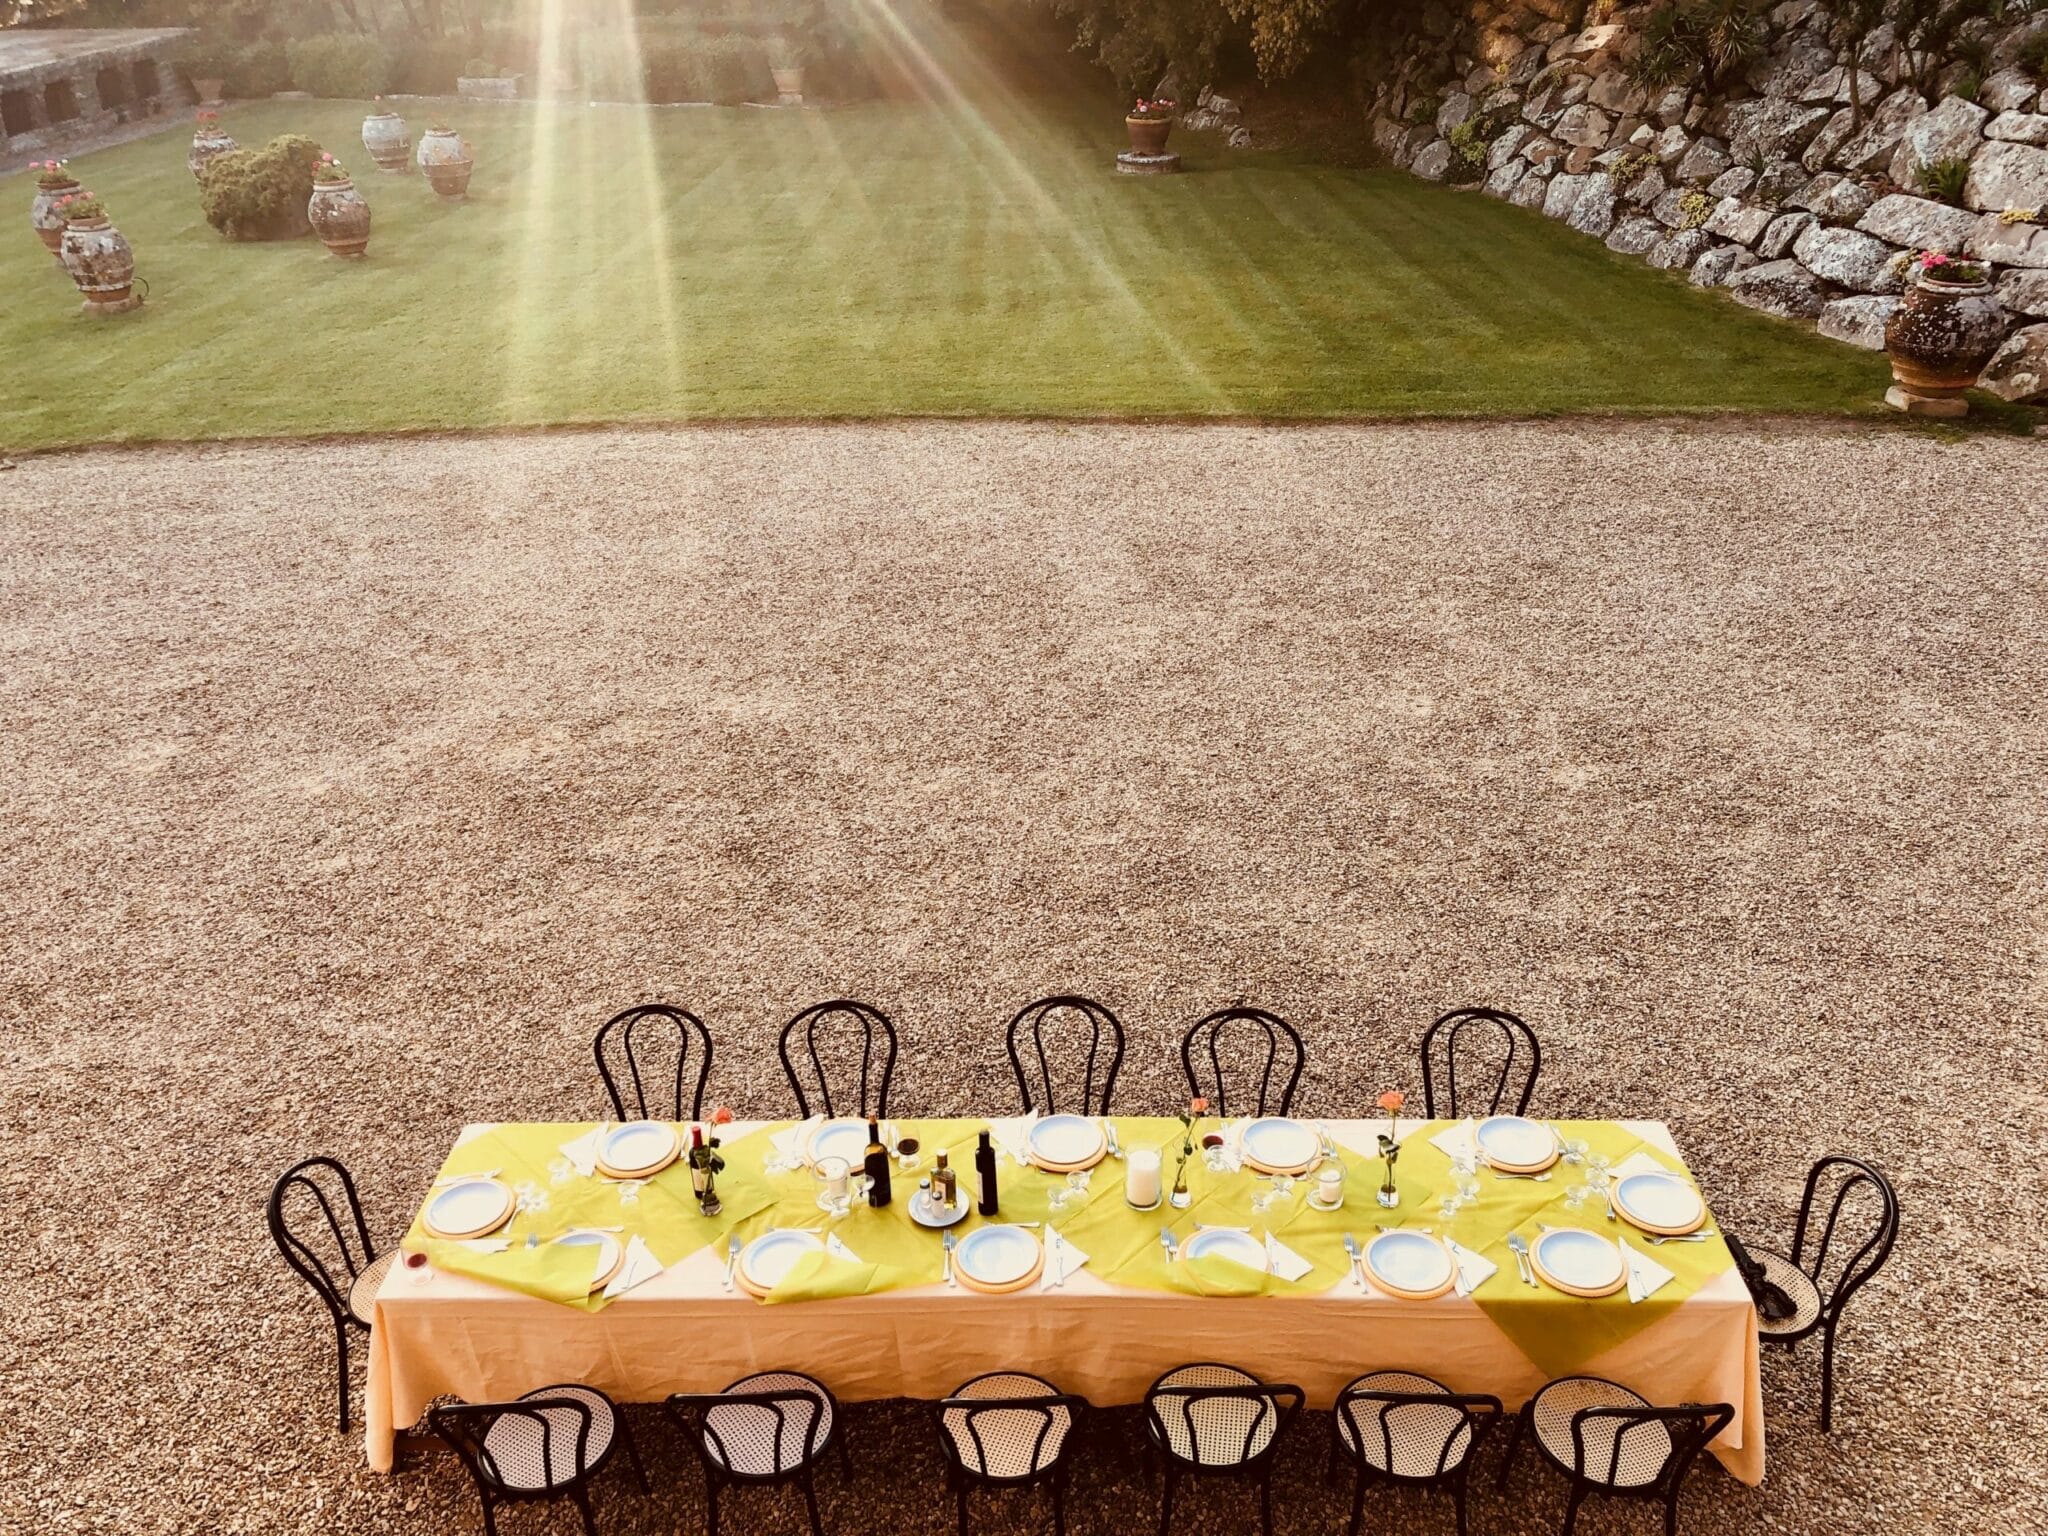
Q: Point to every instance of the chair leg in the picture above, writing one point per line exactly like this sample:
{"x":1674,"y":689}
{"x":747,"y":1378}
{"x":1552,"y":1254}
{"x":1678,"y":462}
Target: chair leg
{"x":633,"y":1453}
{"x":1059,"y":1502}
{"x":1508,"y":1458}
{"x":1166,"y":1503}
{"x":490,"y":1520}
{"x":1357,"y":1502}
{"x":1671,"y":1513}
{"x":1458,"y":1503}
{"x":1571,"y":1508}
{"x":341,"y":1368}
{"x":711,"y":1506}
{"x":1266,"y":1501}
{"x":1827,"y":1379}
{"x":811,"y":1504}
{"x":960,"y":1502}
{"x":845,"y":1457}
{"x":581,"y":1494}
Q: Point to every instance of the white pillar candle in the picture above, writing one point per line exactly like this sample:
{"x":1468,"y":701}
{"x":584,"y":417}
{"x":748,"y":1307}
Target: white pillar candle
{"x":1141,"y":1177}
{"x":832,"y":1171}
{"x":1330,"y":1187}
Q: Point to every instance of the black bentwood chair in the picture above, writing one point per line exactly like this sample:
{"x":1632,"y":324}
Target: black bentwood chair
{"x":547,"y":1445}
{"x":1606,"y":1439}
{"x":1267,"y":1031}
{"x":1819,"y":1291}
{"x":774,"y":1427}
{"x":850,"y":1022}
{"x":317,"y":1223}
{"x":1067,"y":1015}
{"x":1409,"y":1429}
{"x":654,"y":1044}
{"x":1008,"y":1429}
{"x":1210,"y":1420}
{"x":1480,"y":1037}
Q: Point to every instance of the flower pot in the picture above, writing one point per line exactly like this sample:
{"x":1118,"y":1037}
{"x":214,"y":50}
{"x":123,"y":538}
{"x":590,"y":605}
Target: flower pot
{"x":1148,"y":134}
{"x":447,"y":158}
{"x":208,"y":91}
{"x":1939,"y":339}
{"x":99,"y":261}
{"x":789,"y":83}
{"x":339,"y":217}
{"x":48,"y":222}
{"x":206,"y":143}
{"x":385,"y":137}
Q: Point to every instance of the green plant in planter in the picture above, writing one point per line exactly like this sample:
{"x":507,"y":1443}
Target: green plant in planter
{"x":328,"y":171}
{"x":81,"y":205}
{"x":260,"y":194}
{"x":1944,"y":181}
{"x":51,"y":173}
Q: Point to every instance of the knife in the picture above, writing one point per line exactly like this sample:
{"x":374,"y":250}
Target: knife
{"x":1357,"y":1260}
{"x":1457,"y":1269}
{"x":1628,"y":1269}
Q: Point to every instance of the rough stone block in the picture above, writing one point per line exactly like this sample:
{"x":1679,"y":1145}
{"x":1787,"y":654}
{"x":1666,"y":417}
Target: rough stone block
{"x":2010,"y":245}
{"x":1848,"y":259}
{"x":1676,"y":252}
{"x":2024,"y":291}
{"x":2019,"y":127}
{"x":1717,"y":266}
{"x":1780,"y":288}
{"x":1635,"y":235}
{"x":2008,"y":176}
{"x":1706,"y":159}
{"x":1918,"y":223}
{"x":2019,"y":370}
{"x":1858,"y":321}
{"x":1782,"y":232}
{"x":1733,"y":219}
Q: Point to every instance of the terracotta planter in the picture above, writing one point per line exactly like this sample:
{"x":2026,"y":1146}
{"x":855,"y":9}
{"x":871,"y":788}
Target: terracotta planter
{"x":1940,"y":337}
{"x":789,"y":82}
{"x":208,"y":91}
{"x":447,"y":158}
{"x":48,"y":222}
{"x":340,"y":217}
{"x":206,"y":144}
{"x":99,"y":260}
{"x":1148,"y":134}
{"x":389,"y":144}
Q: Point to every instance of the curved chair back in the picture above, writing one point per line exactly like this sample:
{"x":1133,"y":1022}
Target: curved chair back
{"x":1445,"y":1425}
{"x":1273,"y":1046}
{"x":755,"y":1436}
{"x":466,"y":1429}
{"x":317,"y":1223}
{"x":1225,"y":1425}
{"x":1848,"y":1176}
{"x":843,"y":1022}
{"x":1624,"y":1458}
{"x":1015,"y":1439}
{"x":1500,"y":1059}
{"x":652,"y":1048}
{"x":1066,"y":1015}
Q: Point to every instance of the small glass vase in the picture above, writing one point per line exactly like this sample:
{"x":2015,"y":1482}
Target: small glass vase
{"x":1387,"y":1194}
{"x":1180,"y":1199}
{"x":705,"y":1182}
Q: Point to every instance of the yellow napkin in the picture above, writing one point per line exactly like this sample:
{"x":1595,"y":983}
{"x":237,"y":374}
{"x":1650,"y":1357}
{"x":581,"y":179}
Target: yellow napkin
{"x":1215,"y":1275}
{"x":817,"y":1276}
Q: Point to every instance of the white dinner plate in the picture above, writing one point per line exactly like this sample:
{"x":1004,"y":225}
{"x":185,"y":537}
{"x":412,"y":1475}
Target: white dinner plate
{"x":1220,"y":1243}
{"x":1580,"y":1258}
{"x":637,"y":1145}
{"x":771,"y":1256}
{"x":1517,"y":1142}
{"x":1282,"y":1145}
{"x":926,"y":1214}
{"x":605,"y":1245}
{"x":846,"y":1137}
{"x":1408,"y":1261}
{"x":1659,"y":1200}
{"x":474,"y":1206}
{"x":1065,"y":1139}
{"x":999,"y":1255}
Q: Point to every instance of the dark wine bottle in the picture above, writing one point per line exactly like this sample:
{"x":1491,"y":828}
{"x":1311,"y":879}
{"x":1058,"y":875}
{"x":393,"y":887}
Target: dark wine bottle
{"x":985,"y":1175}
{"x":876,"y":1165}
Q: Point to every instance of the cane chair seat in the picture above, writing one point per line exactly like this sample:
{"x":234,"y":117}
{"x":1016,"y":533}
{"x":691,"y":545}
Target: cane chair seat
{"x":362,"y":1291}
{"x":1212,"y":1432}
{"x":1418,"y":1431}
{"x":1795,"y":1283}
{"x":1019,"y":1444}
{"x":753,"y":1440}
{"x":514,"y":1443}
{"x":1645,"y":1447}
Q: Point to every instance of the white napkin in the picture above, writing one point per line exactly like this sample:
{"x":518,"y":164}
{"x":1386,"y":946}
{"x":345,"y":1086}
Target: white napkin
{"x":1474,"y":1269}
{"x":1284,"y":1261}
{"x":1646,"y":1276}
{"x":465,"y":1178}
{"x":484,"y":1244}
{"x":839,"y":1250}
{"x":471,"y":1132}
{"x":1062,"y":1258}
{"x":1453,"y":1140}
{"x":1638,"y":1161}
{"x":791,"y":1142}
{"x":582,"y":1152}
{"x":1013,"y":1135}
{"x":641,"y":1266}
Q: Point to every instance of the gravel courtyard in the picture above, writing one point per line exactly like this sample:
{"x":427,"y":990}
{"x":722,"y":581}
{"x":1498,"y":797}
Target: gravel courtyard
{"x":349,"y":786}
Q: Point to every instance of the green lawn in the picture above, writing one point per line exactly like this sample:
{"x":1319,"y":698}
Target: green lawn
{"x":967,"y":256}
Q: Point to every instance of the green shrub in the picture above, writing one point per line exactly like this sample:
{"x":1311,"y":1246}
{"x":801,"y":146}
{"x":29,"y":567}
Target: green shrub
{"x":260,"y":194}
{"x":1944,"y":181}
{"x":260,"y":69}
{"x":429,"y":66}
{"x":341,"y":65}
{"x":206,"y":57}
{"x":2034,"y":56}
{"x":1469,"y":143}
{"x":1694,"y":209}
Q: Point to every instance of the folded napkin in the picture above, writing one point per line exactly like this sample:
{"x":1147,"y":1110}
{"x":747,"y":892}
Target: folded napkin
{"x":839,"y":1250}
{"x":1212,"y":1274}
{"x":1284,"y":1261}
{"x":1062,"y":1259}
{"x":1645,"y":1275}
{"x":1638,"y":1161}
{"x":471,"y":1132}
{"x":483,"y":1244}
{"x":582,"y":1152}
{"x":790,"y":1142}
{"x":1462,"y":1138}
{"x":641,"y":1266}
{"x":816,"y":1276}
{"x":1474,"y":1269}
{"x":1013,"y":1135}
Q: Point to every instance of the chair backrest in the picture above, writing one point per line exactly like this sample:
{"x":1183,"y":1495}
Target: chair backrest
{"x":1848,"y":1177}
{"x":1010,"y":1435}
{"x":1067,"y":1015}
{"x":1442,"y":1424}
{"x":1627,"y":1457}
{"x":317,"y":1223}
{"x":1482,"y":1038}
{"x":1270,"y":1037}
{"x":1222,"y":1424}
{"x":848,"y":1019}
{"x":654,"y":1046}
{"x":563,"y":1424}
{"x":754,"y":1434}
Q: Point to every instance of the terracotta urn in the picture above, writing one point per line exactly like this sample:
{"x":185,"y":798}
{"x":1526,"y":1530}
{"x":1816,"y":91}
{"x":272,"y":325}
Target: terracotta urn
{"x":207,"y":142}
{"x":389,"y":144}
{"x":447,"y":158}
{"x":340,"y":217}
{"x":99,"y":260}
{"x":206,"y":90}
{"x":43,"y":214}
{"x":789,"y":82}
{"x":1939,"y":339}
{"x":1148,"y":134}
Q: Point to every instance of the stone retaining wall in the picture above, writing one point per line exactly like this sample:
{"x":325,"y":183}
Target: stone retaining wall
{"x":1773,"y":188}
{"x":64,"y":85}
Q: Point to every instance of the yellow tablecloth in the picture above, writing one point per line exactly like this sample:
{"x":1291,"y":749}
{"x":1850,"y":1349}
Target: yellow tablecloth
{"x":483,"y":1326}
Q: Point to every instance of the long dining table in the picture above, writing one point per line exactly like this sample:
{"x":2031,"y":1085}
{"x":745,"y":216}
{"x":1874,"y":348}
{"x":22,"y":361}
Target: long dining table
{"x":490,"y":1321}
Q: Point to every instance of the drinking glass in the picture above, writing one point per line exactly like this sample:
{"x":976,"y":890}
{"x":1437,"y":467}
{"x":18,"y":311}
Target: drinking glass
{"x":1576,"y":1197}
{"x":1216,"y":1153}
{"x":1575,"y":1151}
{"x":835,"y":1185}
{"x":1448,"y":1205}
{"x":629,"y":1191}
{"x":1073,"y":1191}
{"x":560,"y":1171}
{"x":1275,"y":1190}
{"x":907,"y":1152}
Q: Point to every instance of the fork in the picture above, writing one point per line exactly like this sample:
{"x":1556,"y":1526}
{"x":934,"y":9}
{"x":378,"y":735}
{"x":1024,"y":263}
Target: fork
{"x":1109,"y":1135}
{"x":1357,"y":1260}
{"x":1167,"y":1242}
{"x":732,"y":1257}
{"x":946,"y":1242}
{"x":1519,"y":1246}
{"x":1689,"y":1237}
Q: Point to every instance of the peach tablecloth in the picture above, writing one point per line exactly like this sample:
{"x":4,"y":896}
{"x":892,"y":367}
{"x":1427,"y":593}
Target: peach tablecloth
{"x":683,"y":1332}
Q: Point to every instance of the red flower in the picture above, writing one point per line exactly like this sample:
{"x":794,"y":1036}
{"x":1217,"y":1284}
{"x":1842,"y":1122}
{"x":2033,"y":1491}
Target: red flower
{"x":1392,"y":1100}
{"x":721,"y":1116}
{"x":1198,"y":1105}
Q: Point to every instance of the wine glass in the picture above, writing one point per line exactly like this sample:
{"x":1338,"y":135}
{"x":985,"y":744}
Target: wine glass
{"x":1275,"y":1190}
{"x":1575,"y":1150}
{"x":1072,"y":1191}
{"x":560,"y":1171}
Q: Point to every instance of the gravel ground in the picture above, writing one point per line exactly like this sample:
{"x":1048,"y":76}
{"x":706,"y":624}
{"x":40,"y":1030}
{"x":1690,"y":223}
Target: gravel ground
{"x":348,"y":786}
